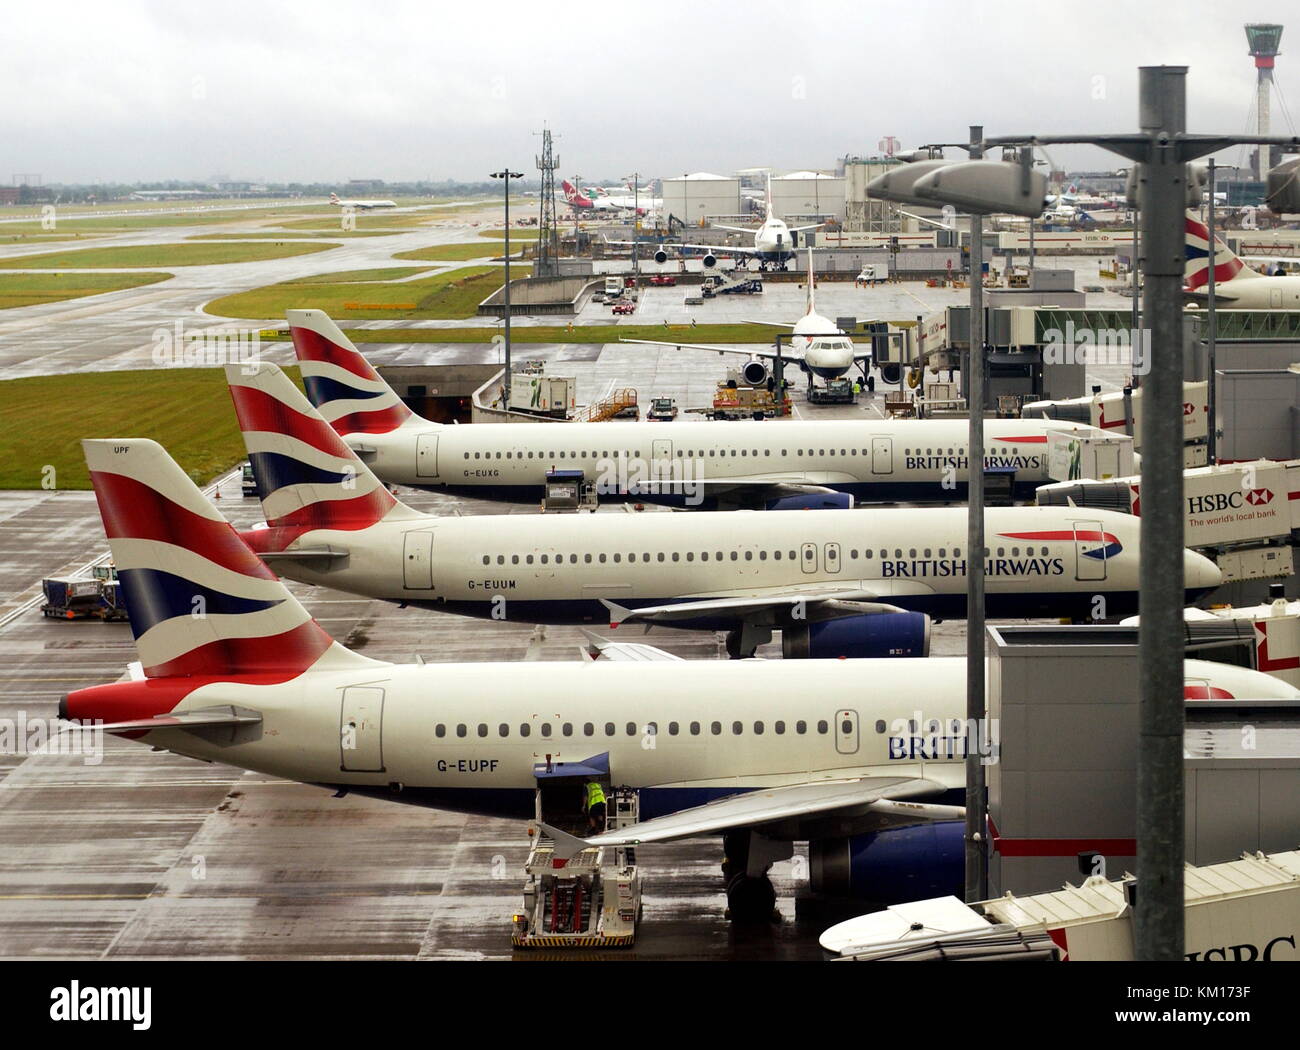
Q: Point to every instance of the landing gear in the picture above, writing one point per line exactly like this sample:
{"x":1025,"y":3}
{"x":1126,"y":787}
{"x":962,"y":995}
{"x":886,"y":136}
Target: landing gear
{"x":743,"y":641}
{"x":747,"y":857}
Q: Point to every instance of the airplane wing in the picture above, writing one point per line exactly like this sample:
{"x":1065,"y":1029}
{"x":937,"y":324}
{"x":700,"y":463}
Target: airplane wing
{"x":598,"y":648}
{"x":769,"y":354}
{"x":824,"y":599}
{"x":1200,"y":295}
{"x":883,"y":800}
{"x":716,"y":249}
{"x":800,"y":229}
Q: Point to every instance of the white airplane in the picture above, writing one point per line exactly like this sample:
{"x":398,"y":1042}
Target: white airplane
{"x":775,"y":242}
{"x":819,"y":347}
{"x":764,"y":753}
{"x":834,"y":584}
{"x":786,"y":465}
{"x":361,"y":205}
{"x":1236,"y":285}
{"x":580,"y":201}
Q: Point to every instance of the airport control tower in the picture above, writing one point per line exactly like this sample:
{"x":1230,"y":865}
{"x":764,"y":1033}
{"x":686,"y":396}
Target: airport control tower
{"x":1264,"y":39}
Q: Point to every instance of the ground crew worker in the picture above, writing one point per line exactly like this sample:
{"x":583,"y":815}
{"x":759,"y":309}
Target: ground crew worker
{"x":594,"y":805}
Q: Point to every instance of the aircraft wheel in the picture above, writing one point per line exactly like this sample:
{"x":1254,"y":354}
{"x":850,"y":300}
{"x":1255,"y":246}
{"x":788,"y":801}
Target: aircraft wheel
{"x":750,"y":900}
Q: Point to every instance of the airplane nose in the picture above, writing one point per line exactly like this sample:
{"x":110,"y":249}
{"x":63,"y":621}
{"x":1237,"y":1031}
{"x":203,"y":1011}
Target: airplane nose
{"x":1200,"y":574}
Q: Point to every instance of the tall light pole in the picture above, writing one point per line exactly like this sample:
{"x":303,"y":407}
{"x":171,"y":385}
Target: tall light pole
{"x":1211,"y":406}
{"x":636,"y":229}
{"x":505,"y":175}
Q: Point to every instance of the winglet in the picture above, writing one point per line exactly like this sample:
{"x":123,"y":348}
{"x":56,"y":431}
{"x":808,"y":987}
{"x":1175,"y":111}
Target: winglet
{"x":617,"y":614}
{"x":566,"y":846}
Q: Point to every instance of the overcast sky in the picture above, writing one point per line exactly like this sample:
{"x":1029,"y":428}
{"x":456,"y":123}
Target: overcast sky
{"x":334,"y":89}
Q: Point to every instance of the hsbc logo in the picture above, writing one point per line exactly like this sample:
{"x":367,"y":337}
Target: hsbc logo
{"x":1188,"y":408}
{"x":1218,"y":502}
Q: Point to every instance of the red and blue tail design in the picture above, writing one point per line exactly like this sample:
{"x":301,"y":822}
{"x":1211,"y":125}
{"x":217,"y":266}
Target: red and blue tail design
{"x":1108,"y":547}
{"x":201,"y":603}
{"x":307,"y":477}
{"x":1196,"y":271}
{"x":340,"y":382}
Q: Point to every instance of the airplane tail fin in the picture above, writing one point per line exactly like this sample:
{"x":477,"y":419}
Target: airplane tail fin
{"x":1196,"y":271}
{"x":334,"y":198}
{"x":200,"y":602}
{"x":307,"y":477}
{"x":340,"y":382}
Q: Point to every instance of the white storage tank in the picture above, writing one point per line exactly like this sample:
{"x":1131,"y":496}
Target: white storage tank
{"x":699,"y":198}
{"x":807,"y":194}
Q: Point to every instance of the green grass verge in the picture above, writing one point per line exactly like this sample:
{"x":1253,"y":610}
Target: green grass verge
{"x":162,"y":255}
{"x":515,"y":235}
{"x":590,"y":333}
{"x":449,"y":295}
{"x":287,"y":235}
{"x":455,"y":252}
{"x":375,"y":276}
{"x":187,"y":410}
{"x":29,"y":289}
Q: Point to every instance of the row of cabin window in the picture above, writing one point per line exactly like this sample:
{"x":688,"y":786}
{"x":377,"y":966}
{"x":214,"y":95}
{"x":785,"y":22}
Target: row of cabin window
{"x":693,"y":728}
{"x":645,"y":556}
{"x":631,"y":729}
{"x":692,"y":453}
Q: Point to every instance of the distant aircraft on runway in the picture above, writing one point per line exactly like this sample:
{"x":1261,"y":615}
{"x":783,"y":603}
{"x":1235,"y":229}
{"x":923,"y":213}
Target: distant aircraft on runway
{"x":819,"y":347}
{"x":362,"y":205}
{"x":858,"y":757}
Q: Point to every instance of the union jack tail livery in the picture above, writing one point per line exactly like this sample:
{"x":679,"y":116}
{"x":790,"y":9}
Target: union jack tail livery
{"x":1196,"y":271}
{"x":340,"y":382}
{"x":202,"y":605}
{"x":307,"y":477}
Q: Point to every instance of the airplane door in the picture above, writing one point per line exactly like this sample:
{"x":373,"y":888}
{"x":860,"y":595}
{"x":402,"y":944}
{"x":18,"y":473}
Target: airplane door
{"x":882,"y":455}
{"x":661,"y":459}
{"x":831,"y":557}
{"x":417,"y":561}
{"x":1089,"y":551}
{"x":1275,"y":298}
{"x":846,"y":732}
{"x":361,"y":727}
{"x":426,"y":456}
{"x":808,"y":558}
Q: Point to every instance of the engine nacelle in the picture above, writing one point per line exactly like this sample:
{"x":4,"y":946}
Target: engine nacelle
{"x":710,"y":260}
{"x":858,"y":637}
{"x":755,"y":373}
{"x":660,"y":256}
{"x":891,"y":373}
{"x":893,"y":866}
{"x":812,"y":501}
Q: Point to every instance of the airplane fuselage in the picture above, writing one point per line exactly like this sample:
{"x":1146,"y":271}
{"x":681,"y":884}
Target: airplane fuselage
{"x":874,"y":460}
{"x":683,"y":733}
{"x":1042,"y":561}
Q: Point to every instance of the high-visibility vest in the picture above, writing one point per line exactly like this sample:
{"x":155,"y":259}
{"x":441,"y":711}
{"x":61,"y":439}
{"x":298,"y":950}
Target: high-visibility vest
{"x":595,"y":795}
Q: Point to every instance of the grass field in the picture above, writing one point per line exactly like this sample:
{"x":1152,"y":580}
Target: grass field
{"x":591,"y":333}
{"x":449,"y":295}
{"x":183,"y":254}
{"x":28,"y":289}
{"x":515,"y":235}
{"x":281,"y":235}
{"x":455,"y":252}
{"x":188,"y":410}
{"x":372,"y":221}
{"x":377,"y":275}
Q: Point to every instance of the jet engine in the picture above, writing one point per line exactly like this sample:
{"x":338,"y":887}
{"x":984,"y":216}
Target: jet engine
{"x":811,"y":501}
{"x":660,"y":255}
{"x":859,"y":637}
{"x":891,"y":866}
{"x":710,"y":260}
{"x":891,"y":373}
{"x":756,"y":373}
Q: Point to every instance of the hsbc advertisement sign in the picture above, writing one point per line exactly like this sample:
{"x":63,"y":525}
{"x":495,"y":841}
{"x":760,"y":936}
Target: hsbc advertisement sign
{"x":1237,"y":504}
